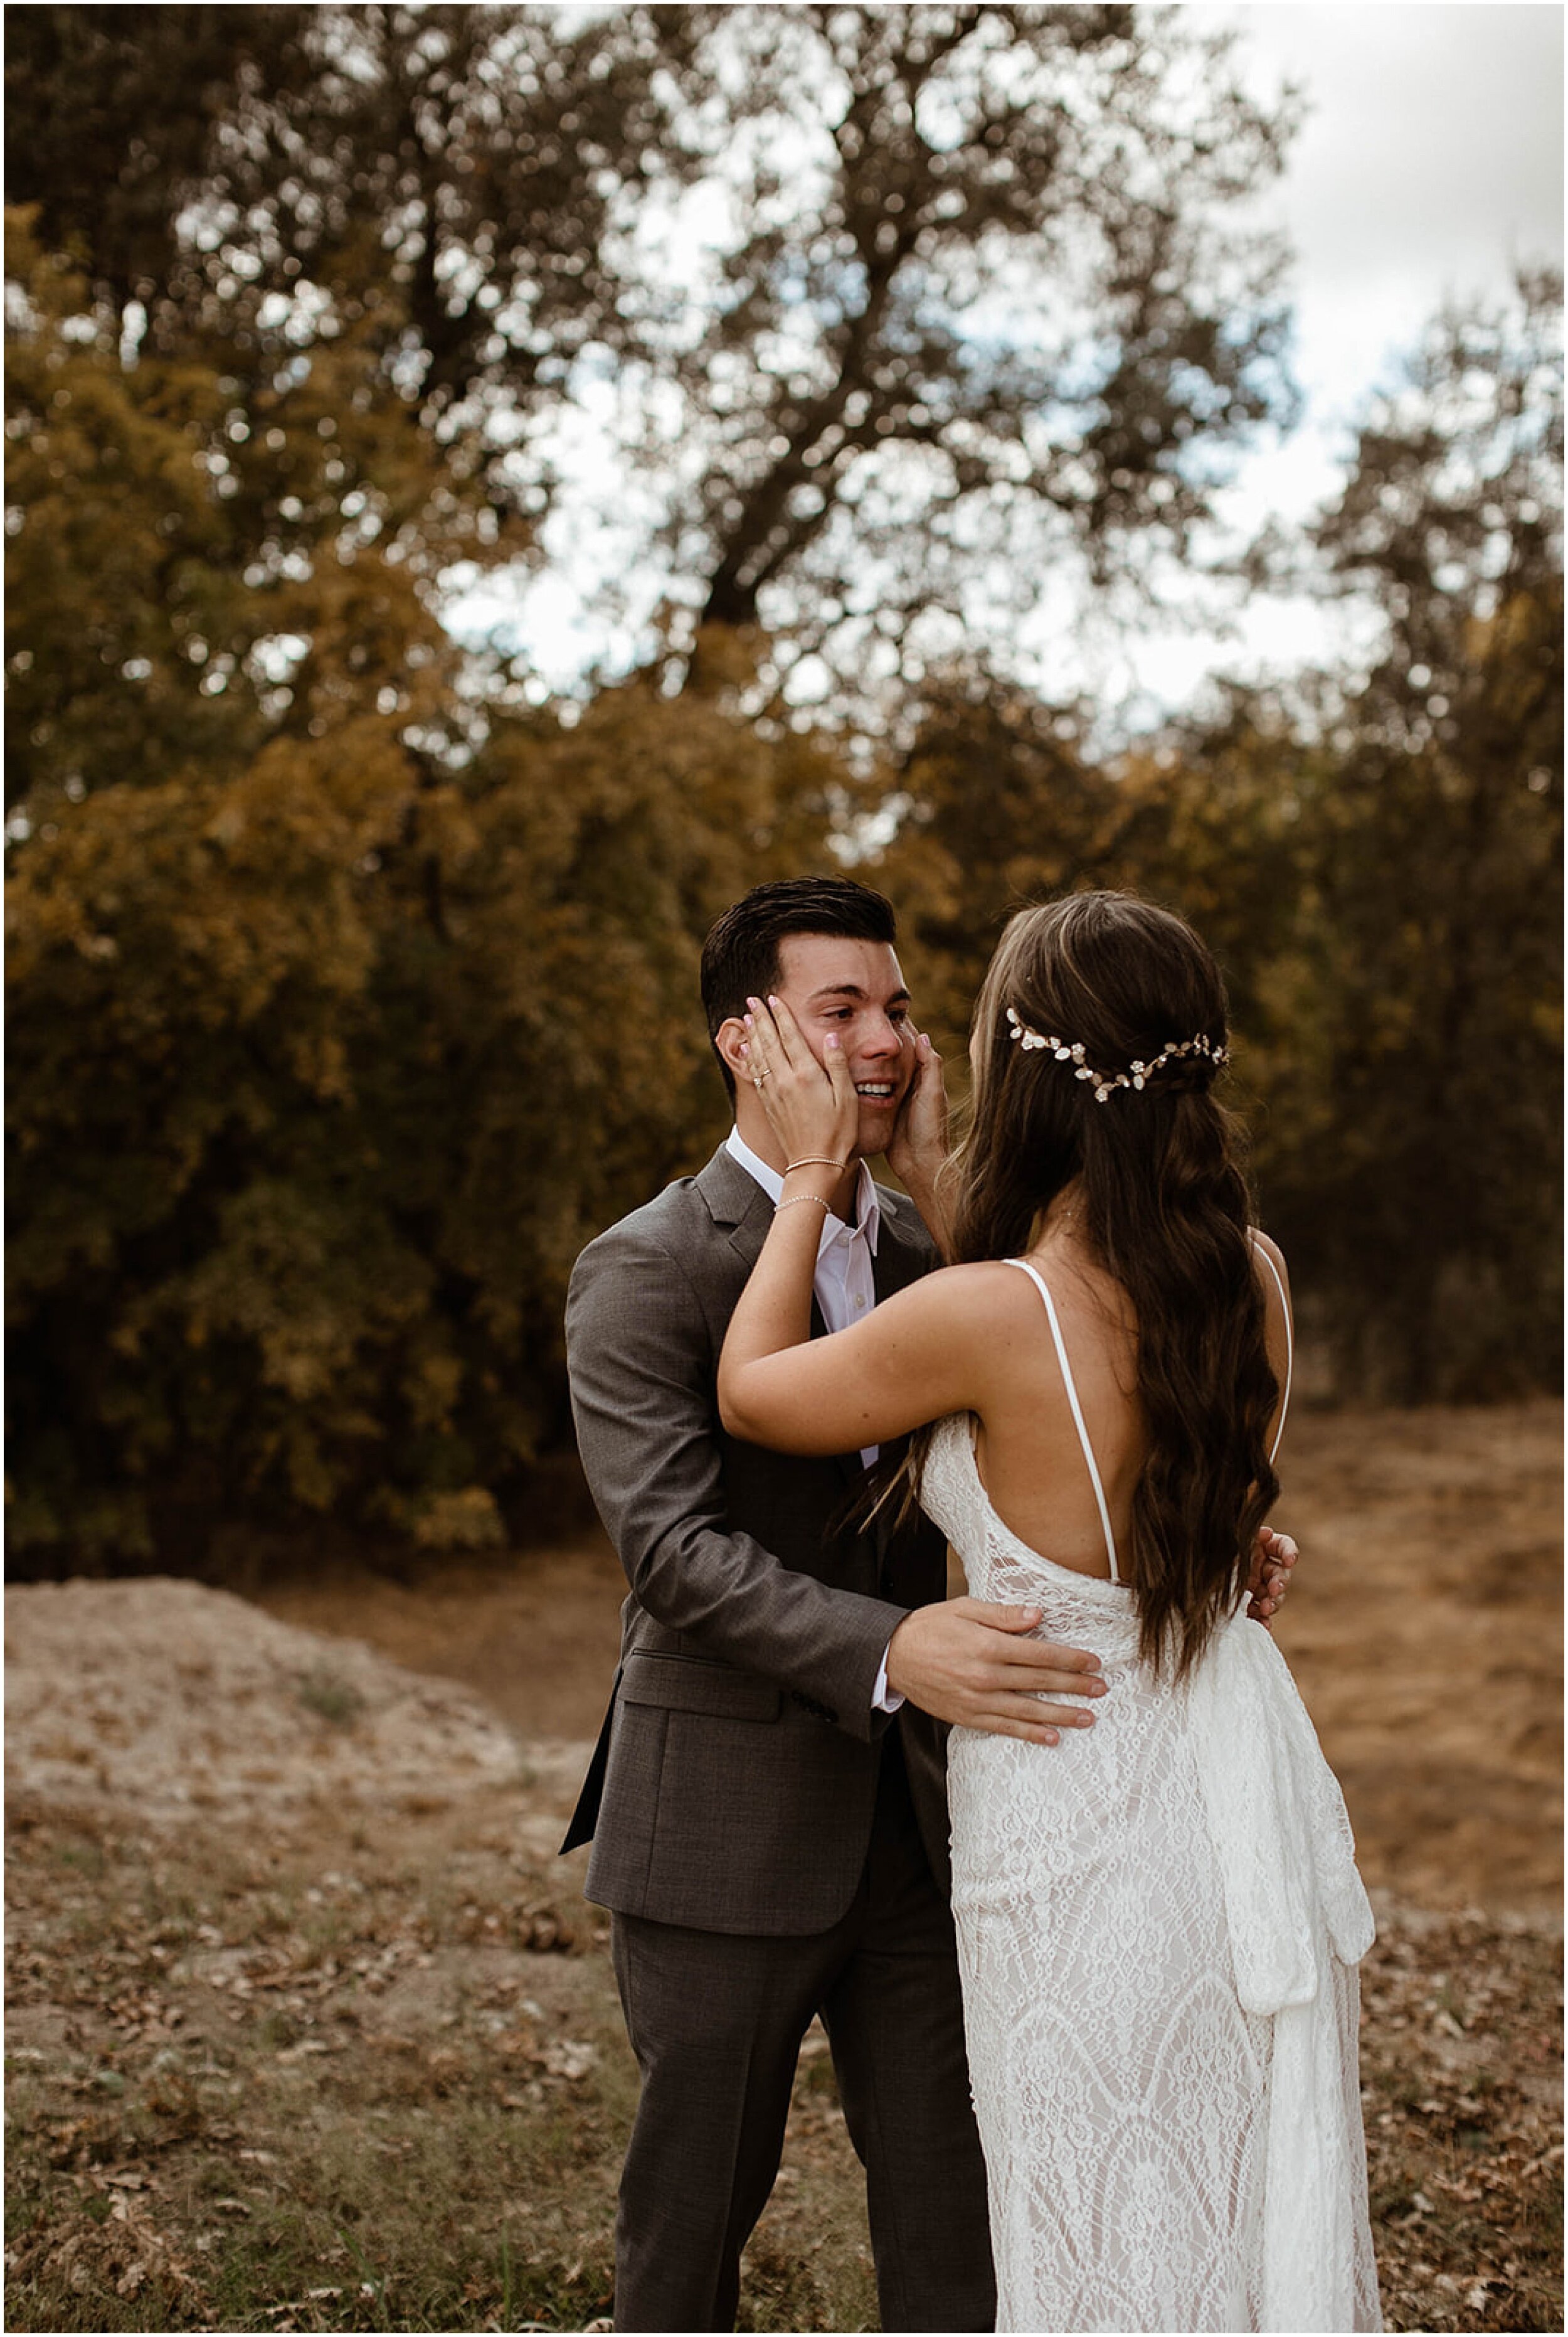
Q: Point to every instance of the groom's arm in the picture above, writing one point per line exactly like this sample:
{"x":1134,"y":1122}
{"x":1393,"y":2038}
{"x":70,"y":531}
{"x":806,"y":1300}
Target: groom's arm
{"x":642,"y":1361}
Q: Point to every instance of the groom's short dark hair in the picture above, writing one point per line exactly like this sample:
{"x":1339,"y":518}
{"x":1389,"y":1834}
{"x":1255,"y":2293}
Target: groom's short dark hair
{"x":740,"y":958}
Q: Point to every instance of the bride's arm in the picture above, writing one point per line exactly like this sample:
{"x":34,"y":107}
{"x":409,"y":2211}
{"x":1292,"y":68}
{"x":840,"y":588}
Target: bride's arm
{"x":918,"y":1150}
{"x":1275,"y":1553}
{"x":913,"y":1360}
{"x":908,"y":1362}
{"x":967,"y":1662}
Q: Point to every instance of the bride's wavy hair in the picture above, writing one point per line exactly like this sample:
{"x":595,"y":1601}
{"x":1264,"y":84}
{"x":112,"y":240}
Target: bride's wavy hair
{"x":1165,"y":1212}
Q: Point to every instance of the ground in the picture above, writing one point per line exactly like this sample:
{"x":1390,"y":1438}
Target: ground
{"x":309,"y":2028}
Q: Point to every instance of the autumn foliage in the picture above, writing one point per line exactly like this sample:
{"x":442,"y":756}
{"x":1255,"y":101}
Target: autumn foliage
{"x":352,"y":988}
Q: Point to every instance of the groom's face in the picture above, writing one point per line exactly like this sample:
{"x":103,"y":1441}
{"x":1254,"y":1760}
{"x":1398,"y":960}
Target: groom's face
{"x":854,"y":988}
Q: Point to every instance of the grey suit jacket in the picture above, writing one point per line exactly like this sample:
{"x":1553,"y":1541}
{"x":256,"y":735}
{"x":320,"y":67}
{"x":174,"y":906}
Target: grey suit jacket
{"x":733,"y":1786}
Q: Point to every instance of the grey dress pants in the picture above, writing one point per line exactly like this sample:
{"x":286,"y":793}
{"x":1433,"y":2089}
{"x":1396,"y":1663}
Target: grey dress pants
{"x":716,"y":2020}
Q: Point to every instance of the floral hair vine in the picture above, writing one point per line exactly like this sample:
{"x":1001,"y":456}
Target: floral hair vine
{"x":1137,"y":1076}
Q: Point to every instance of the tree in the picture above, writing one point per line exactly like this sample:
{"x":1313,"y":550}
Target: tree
{"x":210,"y":724}
{"x":1434,"y":870}
{"x":1403,"y":964}
{"x":112,"y":115}
{"x":338,"y":1021}
{"x":1376,"y":861}
{"x":441,"y":182}
{"x":899,"y":308}
{"x":303,"y":1145}
{"x":998,"y":802}
{"x":205,"y":543}
{"x":977,"y":302}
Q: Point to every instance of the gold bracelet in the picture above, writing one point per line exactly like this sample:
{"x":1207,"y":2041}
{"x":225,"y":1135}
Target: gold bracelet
{"x":816,"y":1160}
{"x":825,"y":1206}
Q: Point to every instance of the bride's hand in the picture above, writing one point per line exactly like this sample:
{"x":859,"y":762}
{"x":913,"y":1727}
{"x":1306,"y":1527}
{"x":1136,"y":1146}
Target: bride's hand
{"x":812,"y":1106}
{"x":1273,"y":1556}
{"x":919,"y":1138}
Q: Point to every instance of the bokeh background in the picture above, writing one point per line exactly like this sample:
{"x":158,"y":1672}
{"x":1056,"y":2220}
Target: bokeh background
{"x":352,"y":967}
{"x":485,"y":486}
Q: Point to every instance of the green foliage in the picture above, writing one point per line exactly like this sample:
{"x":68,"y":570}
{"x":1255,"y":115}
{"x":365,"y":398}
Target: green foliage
{"x":334,"y":1700}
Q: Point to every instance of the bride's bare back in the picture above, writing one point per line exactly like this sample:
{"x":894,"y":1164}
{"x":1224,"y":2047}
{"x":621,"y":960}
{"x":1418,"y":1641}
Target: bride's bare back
{"x":1028,"y":1448}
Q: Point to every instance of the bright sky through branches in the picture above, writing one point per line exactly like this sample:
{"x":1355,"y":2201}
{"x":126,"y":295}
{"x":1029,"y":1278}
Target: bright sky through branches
{"x":1428,"y":168}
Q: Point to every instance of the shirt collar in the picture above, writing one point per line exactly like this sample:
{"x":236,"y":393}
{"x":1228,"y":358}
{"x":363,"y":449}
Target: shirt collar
{"x":868,"y":1209}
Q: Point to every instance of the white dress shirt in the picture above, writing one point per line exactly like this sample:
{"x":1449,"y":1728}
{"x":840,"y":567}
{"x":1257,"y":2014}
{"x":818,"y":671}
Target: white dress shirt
{"x":843,"y":1287}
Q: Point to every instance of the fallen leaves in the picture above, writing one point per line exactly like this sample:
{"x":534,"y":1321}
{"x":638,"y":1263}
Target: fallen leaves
{"x":1463,"y":2113}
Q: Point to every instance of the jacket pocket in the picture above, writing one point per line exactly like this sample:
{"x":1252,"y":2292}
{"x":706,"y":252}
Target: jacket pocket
{"x":692,"y":1684}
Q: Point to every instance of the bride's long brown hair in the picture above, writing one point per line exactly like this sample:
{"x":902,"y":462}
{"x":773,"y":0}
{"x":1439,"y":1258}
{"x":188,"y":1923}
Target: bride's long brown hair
{"x":1165,"y":1210}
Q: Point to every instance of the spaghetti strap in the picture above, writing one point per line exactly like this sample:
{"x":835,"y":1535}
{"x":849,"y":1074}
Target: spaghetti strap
{"x":1290,"y":1345}
{"x":1069,"y":1383}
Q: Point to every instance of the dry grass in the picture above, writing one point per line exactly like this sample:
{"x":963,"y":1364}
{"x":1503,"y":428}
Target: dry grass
{"x":326,"y":2051}
{"x":297,"y":2080}
{"x":290,"y":2082}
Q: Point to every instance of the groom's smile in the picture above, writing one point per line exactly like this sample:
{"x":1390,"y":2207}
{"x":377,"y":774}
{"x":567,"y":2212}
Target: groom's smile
{"x":854,"y":989}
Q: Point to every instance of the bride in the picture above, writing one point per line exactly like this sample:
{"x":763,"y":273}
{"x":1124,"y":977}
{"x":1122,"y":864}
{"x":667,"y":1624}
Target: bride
{"x":1160,"y":1921}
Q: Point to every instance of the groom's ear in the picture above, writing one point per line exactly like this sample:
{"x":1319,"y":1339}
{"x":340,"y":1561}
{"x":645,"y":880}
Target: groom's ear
{"x":729,"y":1038}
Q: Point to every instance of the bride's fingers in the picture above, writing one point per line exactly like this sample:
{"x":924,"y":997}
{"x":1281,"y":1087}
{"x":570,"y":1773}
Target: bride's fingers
{"x":766,"y":1057}
{"x":761,"y":1052}
{"x":838,"y":1071}
{"x":810,"y":1100}
{"x":787,"y":1031}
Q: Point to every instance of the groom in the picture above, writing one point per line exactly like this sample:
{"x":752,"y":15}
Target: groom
{"x":767,"y":1801}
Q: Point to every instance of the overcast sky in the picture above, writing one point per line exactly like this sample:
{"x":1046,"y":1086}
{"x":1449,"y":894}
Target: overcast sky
{"x":1430,"y":164}
{"x":1428,"y":167}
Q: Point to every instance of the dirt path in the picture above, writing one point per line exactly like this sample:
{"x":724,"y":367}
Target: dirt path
{"x":1426,"y":1635}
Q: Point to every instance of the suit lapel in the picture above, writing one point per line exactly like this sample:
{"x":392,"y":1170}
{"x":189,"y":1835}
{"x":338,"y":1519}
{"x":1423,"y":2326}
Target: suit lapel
{"x":743,"y":1211}
{"x":901,"y":1258}
{"x":736,"y":1203}
{"x":904,"y":1256}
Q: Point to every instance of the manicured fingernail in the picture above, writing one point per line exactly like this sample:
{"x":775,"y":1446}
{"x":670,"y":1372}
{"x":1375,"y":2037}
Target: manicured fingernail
{"x":832,"y":1043}
{"x":771,"y":998}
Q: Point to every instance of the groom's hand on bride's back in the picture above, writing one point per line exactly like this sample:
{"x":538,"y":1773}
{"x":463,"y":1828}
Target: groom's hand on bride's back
{"x":975,"y":1664}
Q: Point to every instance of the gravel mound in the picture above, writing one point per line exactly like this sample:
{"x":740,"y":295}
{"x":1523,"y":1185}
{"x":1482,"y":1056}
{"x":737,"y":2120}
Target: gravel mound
{"x":178,"y":1700}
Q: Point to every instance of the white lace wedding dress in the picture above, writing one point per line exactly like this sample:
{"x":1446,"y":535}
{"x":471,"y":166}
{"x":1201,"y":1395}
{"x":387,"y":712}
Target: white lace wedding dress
{"x":1159,"y":1923}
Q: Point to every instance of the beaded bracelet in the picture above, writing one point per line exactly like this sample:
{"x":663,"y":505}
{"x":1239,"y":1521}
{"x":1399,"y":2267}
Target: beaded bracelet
{"x":827,"y":1207}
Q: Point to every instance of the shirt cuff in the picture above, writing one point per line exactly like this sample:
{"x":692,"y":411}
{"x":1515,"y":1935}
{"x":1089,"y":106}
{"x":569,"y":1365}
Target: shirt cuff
{"x":885,"y":1699}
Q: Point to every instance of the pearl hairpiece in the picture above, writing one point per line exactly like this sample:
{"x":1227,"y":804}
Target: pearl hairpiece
{"x":1066,"y":1051}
